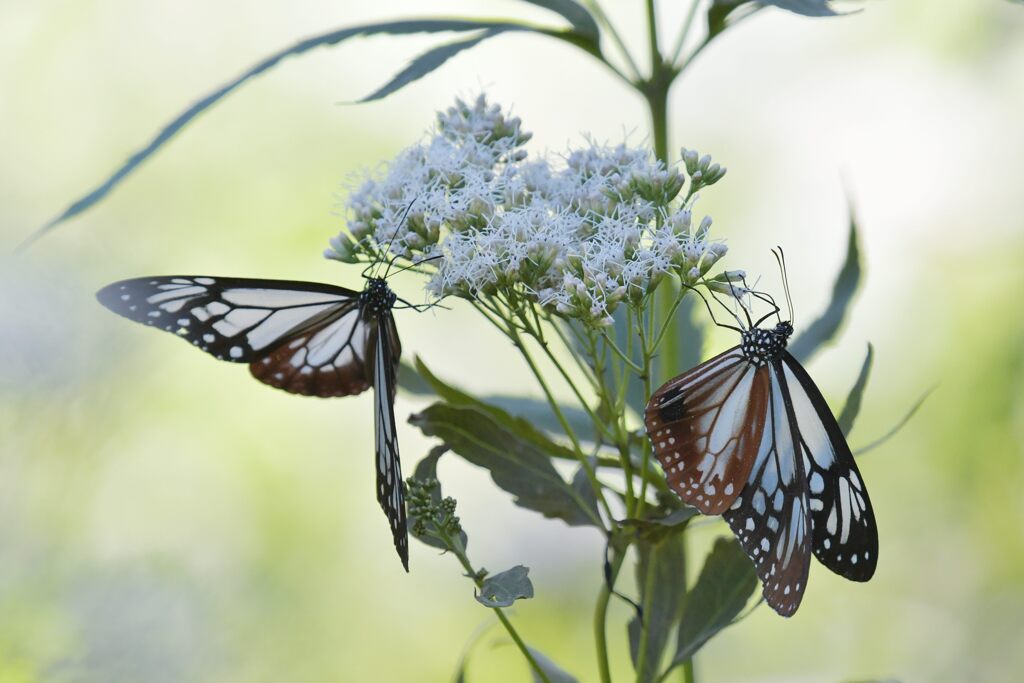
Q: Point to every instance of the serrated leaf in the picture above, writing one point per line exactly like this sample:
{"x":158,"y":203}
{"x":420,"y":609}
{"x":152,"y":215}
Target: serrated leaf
{"x":899,"y":425}
{"x":330,"y":38}
{"x":504,"y":588}
{"x":856,"y":395}
{"x":575,"y":14}
{"x":427,"y":62}
{"x":822,"y":330}
{"x":427,"y":469}
{"x":722,"y":590}
{"x":555,"y":673}
{"x":659,"y":571}
{"x":518,"y":460}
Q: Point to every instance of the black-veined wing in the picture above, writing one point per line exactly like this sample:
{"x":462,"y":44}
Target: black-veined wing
{"x":705,"y":426}
{"x":390,"y":485}
{"x":303,"y":337}
{"x":845,"y":534}
{"x":770,"y":517}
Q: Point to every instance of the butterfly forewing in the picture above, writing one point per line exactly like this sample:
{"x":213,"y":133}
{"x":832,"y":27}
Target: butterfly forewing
{"x":770,"y":516}
{"x":845,"y":534}
{"x":706,"y":426}
{"x":390,"y":485}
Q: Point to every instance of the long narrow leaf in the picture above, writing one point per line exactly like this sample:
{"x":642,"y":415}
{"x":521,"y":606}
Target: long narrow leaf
{"x":899,"y":425}
{"x":428,"y":61}
{"x":722,"y":590}
{"x":555,"y":673}
{"x":659,"y":566}
{"x":853,"y":400}
{"x":822,"y":330}
{"x":575,"y":14}
{"x":325,"y":39}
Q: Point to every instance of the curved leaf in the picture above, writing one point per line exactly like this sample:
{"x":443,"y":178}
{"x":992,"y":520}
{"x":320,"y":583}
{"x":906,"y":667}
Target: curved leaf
{"x":406,"y":27}
{"x":575,"y":14}
{"x":853,"y":401}
{"x":518,"y":460}
{"x":658,"y":571}
{"x":899,"y":425}
{"x":722,"y":590}
{"x":825,"y":327}
{"x":504,"y":588}
{"x":428,"y":61}
{"x":555,"y":673}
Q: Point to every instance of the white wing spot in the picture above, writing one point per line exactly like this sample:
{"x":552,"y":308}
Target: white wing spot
{"x":236,"y":352}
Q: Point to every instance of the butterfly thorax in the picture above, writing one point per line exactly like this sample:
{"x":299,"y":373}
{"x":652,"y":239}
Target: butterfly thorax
{"x":376,"y":298}
{"x":761,"y":346}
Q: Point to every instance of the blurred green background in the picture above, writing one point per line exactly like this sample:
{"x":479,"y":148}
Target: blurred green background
{"x":163,"y":517}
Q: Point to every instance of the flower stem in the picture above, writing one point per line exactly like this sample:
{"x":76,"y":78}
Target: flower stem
{"x":601,"y":616}
{"x":460,"y":553}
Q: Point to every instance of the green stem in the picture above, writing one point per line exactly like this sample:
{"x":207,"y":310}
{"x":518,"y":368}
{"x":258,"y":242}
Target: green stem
{"x":598,"y":12}
{"x":460,"y":553}
{"x":601,"y":617}
{"x":685,"y":31}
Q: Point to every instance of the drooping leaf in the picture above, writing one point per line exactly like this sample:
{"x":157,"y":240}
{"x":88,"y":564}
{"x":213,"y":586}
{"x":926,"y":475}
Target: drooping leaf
{"x":659,"y":571}
{"x":822,"y":330}
{"x":427,"y":62}
{"x":555,"y":673}
{"x":504,"y":588}
{"x":722,"y":590}
{"x":427,"y":469}
{"x":518,"y":459}
{"x":575,"y":14}
{"x":410,"y":381}
{"x":539,"y":414}
{"x":330,"y":38}
{"x":721,"y":13}
{"x":899,"y":425}
{"x":853,"y":400}
{"x":587,"y":497}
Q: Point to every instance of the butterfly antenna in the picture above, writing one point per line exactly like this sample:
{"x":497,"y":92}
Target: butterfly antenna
{"x":416,"y":263}
{"x":398,"y":226}
{"x":707,"y":304}
{"x":780,"y":257}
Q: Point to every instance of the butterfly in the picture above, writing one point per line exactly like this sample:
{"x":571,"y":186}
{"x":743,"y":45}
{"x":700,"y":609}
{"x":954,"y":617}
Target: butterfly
{"x":304,"y":337}
{"x":747,"y":435}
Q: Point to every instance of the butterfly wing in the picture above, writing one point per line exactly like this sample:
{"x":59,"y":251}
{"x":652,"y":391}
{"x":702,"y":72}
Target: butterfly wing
{"x":390,"y":484}
{"x":845,"y":534}
{"x":706,"y":426}
{"x":770,"y":517}
{"x":303,"y":337}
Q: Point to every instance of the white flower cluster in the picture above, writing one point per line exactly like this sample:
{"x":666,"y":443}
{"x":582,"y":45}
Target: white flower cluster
{"x":578,"y":234}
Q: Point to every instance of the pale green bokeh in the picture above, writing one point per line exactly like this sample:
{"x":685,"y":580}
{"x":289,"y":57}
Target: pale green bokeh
{"x":165,"y":518}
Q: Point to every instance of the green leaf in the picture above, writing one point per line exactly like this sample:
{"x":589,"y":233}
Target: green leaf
{"x":853,"y":401}
{"x":807,"y":8}
{"x":504,"y":588}
{"x":659,"y":569}
{"x":722,"y":590}
{"x":575,"y":14}
{"x":825,"y":327}
{"x":654,"y":529}
{"x":533,"y":412}
{"x":330,"y":38}
{"x":410,"y":381}
{"x":427,"y":469}
{"x":428,"y":61}
{"x":555,"y":673}
{"x":899,"y":425}
{"x":518,"y":459}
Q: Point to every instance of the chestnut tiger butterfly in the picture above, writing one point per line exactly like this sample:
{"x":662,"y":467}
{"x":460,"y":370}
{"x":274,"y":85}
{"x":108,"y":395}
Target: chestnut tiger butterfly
{"x":747,"y":435}
{"x":303,"y":337}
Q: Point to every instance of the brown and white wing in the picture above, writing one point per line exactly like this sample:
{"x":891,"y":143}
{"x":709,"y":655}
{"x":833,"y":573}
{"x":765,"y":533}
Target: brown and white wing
{"x":771,"y":517}
{"x":706,"y":425}
{"x":303,"y":337}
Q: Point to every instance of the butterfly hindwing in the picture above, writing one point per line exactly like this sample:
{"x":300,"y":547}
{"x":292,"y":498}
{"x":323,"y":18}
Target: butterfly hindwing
{"x":390,"y":484}
{"x":770,"y":517}
{"x":845,"y":533}
{"x":706,"y":426}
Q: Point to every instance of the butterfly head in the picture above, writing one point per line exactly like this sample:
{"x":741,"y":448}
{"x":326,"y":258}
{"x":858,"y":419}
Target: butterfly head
{"x":377,"y":297}
{"x":761,"y":345}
